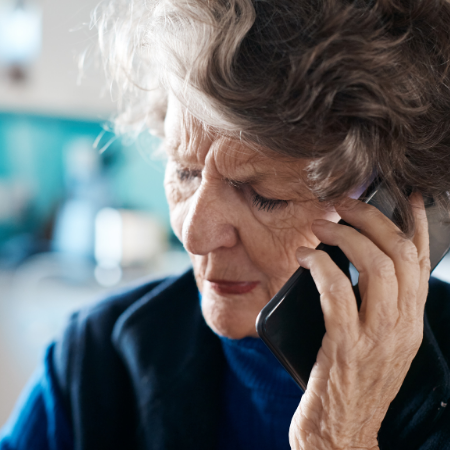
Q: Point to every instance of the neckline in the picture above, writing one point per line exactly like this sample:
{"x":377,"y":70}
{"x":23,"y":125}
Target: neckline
{"x":254,"y":365}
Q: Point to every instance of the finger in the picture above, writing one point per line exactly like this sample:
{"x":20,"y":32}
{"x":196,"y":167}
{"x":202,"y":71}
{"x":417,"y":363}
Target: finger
{"x":377,"y":278}
{"x":421,"y":240}
{"x":391,"y":241}
{"x":336,"y":294}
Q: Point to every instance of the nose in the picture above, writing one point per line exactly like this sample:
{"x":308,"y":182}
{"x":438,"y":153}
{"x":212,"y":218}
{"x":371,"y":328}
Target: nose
{"x":209,"y":222}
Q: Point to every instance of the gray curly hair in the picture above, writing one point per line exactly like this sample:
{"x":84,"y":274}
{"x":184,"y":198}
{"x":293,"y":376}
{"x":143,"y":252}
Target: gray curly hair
{"x":355,"y":86}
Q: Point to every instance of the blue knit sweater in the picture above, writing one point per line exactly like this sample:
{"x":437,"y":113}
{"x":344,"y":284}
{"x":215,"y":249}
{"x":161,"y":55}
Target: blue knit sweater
{"x":259,"y":398}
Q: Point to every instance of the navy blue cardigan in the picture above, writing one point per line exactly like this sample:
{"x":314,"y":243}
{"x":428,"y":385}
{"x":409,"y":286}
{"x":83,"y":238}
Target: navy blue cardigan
{"x":142,"y":370}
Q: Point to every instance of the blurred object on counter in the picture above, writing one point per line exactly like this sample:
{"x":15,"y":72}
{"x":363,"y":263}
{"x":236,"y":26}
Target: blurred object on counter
{"x":86,"y":191}
{"x":144,"y":238}
{"x":125,"y":238}
{"x":20,"y":38}
{"x":108,"y":246}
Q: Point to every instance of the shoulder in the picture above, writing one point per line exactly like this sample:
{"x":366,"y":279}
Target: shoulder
{"x":90,"y":332}
{"x":108,"y":351}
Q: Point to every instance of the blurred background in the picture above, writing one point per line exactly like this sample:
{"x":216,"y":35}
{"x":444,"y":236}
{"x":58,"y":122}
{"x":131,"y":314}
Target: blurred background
{"x":81,"y":212}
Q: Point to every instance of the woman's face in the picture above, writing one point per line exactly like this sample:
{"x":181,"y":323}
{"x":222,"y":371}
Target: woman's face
{"x":241,"y":215}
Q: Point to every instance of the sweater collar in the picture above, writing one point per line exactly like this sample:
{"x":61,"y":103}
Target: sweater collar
{"x":256,"y":368}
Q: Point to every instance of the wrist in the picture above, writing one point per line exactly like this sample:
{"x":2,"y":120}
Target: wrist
{"x":307,"y":434}
{"x":327,"y":446}
{"x":314,"y":442}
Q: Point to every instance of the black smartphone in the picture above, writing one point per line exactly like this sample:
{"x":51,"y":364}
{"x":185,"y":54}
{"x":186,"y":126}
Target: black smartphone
{"x":292,"y":323}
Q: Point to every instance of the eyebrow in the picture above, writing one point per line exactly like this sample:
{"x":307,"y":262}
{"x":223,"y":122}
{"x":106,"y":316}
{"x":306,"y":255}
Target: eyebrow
{"x":171,"y":149}
{"x":254,"y":179}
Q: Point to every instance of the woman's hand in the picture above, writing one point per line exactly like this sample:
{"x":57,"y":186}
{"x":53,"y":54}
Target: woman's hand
{"x":365,"y":355}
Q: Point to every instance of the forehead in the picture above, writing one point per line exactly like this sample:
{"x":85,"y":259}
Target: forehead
{"x":190,"y":143}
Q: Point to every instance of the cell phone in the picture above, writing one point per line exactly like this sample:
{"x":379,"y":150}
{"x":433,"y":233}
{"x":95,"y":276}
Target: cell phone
{"x":292,"y":324}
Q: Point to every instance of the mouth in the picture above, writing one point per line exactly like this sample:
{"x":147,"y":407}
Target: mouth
{"x":233,"y":287}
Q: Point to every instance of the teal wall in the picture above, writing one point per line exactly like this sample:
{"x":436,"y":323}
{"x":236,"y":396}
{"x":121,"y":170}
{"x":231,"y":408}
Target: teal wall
{"x":32,"y":154}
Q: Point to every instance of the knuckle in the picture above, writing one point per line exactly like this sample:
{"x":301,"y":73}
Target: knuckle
{"x":407,"y":250}
{"x":383,"y":267}
{"x":375,"y":335}
{"x":387,"y":320}
{"x":391,"y":321}
{"x":382,"y":328}
{"x":388,"y":317}
{"x":338,"y":287}
{"x":425,"y":264}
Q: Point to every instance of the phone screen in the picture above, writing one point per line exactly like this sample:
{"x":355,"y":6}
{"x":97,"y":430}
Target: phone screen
{"x":292,"y":323}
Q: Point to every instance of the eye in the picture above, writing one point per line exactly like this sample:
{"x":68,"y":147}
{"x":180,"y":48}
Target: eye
{"x":188,"y":174}
{"x":267,"y":204}
{"x":258,"y":201}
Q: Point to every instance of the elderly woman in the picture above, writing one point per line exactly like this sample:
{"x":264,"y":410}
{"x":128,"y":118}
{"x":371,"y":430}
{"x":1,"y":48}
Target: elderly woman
{"x":275,"y":115}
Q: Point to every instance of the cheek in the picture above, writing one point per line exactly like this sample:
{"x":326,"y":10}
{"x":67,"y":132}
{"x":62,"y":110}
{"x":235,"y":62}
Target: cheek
{"x":272,"y":242}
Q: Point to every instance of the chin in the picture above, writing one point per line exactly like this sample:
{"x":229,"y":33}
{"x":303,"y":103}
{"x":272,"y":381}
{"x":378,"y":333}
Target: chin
{"x":229,"y":317}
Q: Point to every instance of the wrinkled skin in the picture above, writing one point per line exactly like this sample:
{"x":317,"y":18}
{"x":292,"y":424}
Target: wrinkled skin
{"x":225,"y":235}
{"x":211,"y":184}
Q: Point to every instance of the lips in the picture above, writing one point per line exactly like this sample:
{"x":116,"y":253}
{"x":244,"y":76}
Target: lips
{"x":233,"y":287}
